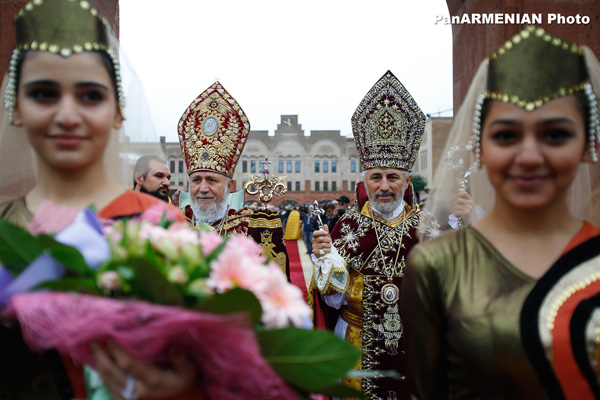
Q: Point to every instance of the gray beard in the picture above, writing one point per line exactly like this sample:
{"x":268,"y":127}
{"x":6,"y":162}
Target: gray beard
{"x":213,"y":212}
{"x":385,"y":209}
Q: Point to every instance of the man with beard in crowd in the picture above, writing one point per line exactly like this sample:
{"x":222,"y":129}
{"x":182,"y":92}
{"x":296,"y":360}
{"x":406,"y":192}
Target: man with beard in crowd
{"x":212,"y":134}
{"x":151,"y":175}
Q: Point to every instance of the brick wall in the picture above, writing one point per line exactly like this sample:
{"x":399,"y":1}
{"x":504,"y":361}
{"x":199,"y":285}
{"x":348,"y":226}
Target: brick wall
{"x":472,"y":43}
{"x":9,"y":8}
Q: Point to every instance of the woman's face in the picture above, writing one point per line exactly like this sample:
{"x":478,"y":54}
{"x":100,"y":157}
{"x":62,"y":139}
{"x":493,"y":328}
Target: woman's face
{"x":533,"y":157}
{"x":67,"y":106}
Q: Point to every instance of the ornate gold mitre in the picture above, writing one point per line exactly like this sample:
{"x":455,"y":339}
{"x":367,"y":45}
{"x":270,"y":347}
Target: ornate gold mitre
{"x":63,"y":27}
{"x":388,"y":126}
{"x":534,"y":67}
{"x":213,"y":131}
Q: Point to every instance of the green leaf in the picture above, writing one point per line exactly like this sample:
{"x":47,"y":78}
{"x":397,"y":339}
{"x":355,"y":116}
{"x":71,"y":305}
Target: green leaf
{"x":309,"y":359}
{"x":70,"y":285}
{"x":235,"y":301}
{"x":66,"y":255}
{"x":419,"y":183}
{"x":18,"y":248}
{"x":164,"y":221}
{"x":152,"y":257}
{"x":200,"y":270}
{"x":150,"y":284}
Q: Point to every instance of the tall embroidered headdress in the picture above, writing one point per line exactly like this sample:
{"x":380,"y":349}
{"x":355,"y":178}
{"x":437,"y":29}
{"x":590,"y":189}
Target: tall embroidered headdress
{"x":213,"y":131}
{"x":388,"y":126}
{"x":63,"y":27}
{"x":533,"y":68}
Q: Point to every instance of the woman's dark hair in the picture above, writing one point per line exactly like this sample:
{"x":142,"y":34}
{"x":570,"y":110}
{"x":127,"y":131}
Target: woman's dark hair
{"x":106,"y":60}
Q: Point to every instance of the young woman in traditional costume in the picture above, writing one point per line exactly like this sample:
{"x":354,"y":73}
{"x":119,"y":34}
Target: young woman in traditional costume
{"x":64,"y":98}
{"x":508,"y":307}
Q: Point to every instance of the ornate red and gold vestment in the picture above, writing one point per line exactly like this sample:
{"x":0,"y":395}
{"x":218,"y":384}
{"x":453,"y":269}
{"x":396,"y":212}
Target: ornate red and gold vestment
{"x":374,"y":250}
{"x":263,"y":226}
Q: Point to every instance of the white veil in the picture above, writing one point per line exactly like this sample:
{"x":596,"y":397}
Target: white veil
{"x":17,"y":159}
{"x":137,"y":136}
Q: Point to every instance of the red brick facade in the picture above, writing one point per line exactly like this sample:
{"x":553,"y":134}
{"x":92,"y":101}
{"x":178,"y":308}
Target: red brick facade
{"x":473,"y":42}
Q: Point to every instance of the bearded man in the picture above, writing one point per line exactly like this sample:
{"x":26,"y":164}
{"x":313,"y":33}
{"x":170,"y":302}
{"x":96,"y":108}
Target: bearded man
{"x":212,"y":134}
{"x":151,"y":175}
{"x":358,"y":273}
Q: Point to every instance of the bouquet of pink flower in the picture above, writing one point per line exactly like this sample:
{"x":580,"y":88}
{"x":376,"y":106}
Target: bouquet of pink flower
{"x":151,"y":283}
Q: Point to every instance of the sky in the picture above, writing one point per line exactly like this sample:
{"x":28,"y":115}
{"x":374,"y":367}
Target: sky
{"x":315,"y":59}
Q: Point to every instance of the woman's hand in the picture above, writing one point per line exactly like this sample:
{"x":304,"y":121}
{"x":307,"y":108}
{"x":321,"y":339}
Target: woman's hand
{"x":128,"y":378}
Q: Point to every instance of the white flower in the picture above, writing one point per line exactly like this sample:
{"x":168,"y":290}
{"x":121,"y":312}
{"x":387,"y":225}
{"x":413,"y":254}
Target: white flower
{"x":182,"y":234}
{"x":191,"y":253}
{"x":109,"y":281}
{"x":178,"y":275}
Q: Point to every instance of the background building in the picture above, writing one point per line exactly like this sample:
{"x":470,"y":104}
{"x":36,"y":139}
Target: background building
{"x":323,"y":165}
{"x":320,"y":166}
{"x":432,"y":146}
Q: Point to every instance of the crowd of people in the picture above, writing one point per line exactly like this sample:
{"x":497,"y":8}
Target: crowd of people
{"x":329,"y":213}
{"x":491,"y":290}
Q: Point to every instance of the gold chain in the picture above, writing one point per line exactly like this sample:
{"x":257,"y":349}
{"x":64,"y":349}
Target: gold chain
{"x":225,"y":217}
{"x":389,"y":272}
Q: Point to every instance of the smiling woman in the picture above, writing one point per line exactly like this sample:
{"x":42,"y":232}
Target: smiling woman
{"x":507,"y":307}
{"x":68,"y":108}
{"x":532,"y":158}
{"x":63,"y":95}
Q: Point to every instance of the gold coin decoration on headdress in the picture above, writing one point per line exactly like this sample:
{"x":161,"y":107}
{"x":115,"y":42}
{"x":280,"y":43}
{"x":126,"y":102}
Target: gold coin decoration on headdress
{"x":213,"y":132}
{"x":388,"y":126}
{"x":63,"y":27}
{"x":534,"y":67}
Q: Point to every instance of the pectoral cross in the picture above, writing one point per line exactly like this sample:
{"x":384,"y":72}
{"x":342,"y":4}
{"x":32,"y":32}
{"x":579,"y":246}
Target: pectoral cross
{"x":317,"y":212}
